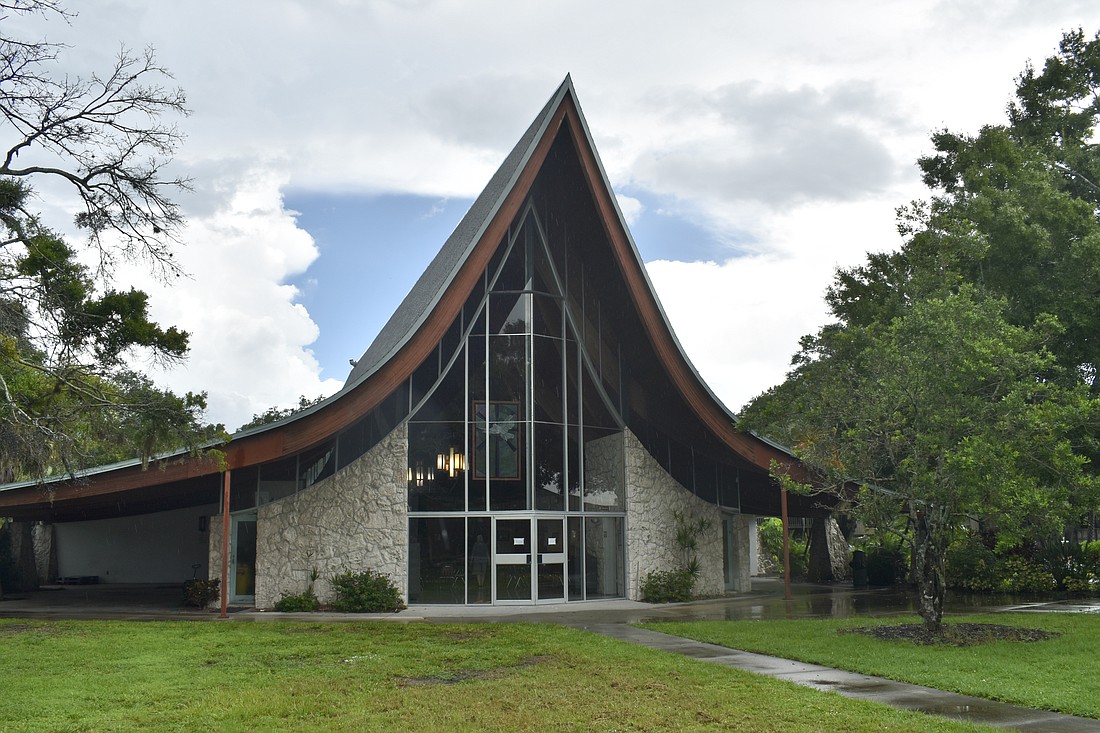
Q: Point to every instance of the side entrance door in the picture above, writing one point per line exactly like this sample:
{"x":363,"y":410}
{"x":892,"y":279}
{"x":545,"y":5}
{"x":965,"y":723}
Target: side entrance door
{"x":242,"y":559}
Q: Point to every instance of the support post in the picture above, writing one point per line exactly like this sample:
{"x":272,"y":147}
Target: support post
{"x":225,"y":546}
{"x":786,"y":545}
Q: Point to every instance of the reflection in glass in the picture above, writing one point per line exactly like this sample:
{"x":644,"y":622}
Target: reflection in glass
{"x":603,"y":550}
{"x":513,"y":582}
{"x":513,"y":275}
{"x":551,"y":559}
{"x":547,"y":311}
{"x":508,"y":313}
{"x":549,"y":478}
{"x":548,"y":379}
{"x":575,"y":548}
{"x":604,"y":470}
{"x":507,"y":368}
{"x":437,"y":554}
{"x":447,"y":402}
{"x":434,"y":484}
{"x":513,"y":559}
{"x":479,"y":574}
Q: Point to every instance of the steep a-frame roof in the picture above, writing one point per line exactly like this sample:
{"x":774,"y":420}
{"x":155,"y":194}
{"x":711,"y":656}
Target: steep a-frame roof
{"x":561,"y":109}
{"x":413,"y":331}
{"x":431,"y":285}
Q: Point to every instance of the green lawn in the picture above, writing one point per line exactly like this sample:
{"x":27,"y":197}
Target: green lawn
{"x":1060,"y":674}
{"x":237,"y":676}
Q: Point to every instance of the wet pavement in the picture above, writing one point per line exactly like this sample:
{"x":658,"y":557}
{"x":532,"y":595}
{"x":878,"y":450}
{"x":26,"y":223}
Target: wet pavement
{"x":860,"y":686}
{"x":613,"y":618}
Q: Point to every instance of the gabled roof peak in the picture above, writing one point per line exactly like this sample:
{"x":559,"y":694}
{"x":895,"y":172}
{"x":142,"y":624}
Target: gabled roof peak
{"x":427,"y":290}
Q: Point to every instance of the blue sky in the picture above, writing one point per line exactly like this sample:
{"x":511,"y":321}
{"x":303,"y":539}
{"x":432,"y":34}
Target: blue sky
{"x":371,"y":251}
{"x":333,"y":145}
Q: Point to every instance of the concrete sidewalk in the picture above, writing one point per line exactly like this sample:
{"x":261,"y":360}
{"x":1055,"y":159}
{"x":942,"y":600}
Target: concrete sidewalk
{"x":860,"y":686}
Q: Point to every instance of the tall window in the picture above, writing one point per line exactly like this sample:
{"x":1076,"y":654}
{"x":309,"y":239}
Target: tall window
{"x":540,"y":429}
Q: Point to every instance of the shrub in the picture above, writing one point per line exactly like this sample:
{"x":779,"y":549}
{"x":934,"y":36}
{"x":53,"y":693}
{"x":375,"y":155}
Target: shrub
{"x":201,"y":592}
{"x":365,"y":592}
{"x":885,"y":565}
{"x":1091,"y":551}
{"x":667,"y":586}
{"x":971,"y":566}
{"x":1089,"y":584}
{"x":301,"y":602}
{"x":1021,"y":575}
{"x":771,"y":544}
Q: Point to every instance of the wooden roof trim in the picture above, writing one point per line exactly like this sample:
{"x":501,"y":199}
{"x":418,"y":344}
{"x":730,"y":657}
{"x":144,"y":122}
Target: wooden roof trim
{"x":687,"y":381}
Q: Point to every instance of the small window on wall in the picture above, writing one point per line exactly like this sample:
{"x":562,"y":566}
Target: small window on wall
{"x":277,"y":479}
{"x":497,"y":440}
{"x":316,"y":464}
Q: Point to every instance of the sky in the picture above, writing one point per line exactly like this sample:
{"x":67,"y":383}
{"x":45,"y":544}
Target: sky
{"x":334,"y":144}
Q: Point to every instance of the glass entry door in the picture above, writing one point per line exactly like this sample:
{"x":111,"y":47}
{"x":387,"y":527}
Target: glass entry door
{"x":242,"y":559}
{"x":529,"y":560}
{"x":512,"y":560}
{"x":550,"y":559}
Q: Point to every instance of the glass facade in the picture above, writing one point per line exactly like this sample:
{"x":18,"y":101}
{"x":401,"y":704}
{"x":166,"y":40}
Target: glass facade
{"x":517,"y":449}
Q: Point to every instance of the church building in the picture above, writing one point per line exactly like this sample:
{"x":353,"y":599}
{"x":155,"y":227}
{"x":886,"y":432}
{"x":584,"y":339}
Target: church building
{"x":525,"y":429}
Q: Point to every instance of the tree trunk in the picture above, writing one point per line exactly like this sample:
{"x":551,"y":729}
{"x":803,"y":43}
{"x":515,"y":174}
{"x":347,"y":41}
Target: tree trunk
{"x":929,"y":559}
{"x":819,"y":569}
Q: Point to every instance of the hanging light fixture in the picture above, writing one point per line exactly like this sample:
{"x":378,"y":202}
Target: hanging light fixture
{"x":416,"y":476}
{"x":451,"y":462}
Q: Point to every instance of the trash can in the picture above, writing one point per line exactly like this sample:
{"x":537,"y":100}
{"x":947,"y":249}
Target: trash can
{"x":859,"y":569}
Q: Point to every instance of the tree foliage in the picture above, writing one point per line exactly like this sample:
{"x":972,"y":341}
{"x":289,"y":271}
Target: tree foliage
{"x":275,"y":414}
{"x":68,"y":337}
{"x":959,"y":379}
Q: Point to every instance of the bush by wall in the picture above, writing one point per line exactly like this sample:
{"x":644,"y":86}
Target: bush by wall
{"x":298,"y":603}
{"x":667,"y":586}
{"x":201,"y":592}
{"x":365,"y":592}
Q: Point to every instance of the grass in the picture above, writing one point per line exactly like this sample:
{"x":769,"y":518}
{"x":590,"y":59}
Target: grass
{"x":235,"y":676}
{"x":1061,"y":674}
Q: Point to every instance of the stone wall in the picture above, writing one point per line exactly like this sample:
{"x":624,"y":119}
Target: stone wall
{"x":652,"y":499}
{"x":353,"y":520}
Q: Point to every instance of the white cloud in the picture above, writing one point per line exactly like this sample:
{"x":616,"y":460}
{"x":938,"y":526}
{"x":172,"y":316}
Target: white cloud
{"x":249,"y":339}
{"x":630,"y":207}
{"x":740,"y":320}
